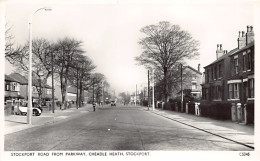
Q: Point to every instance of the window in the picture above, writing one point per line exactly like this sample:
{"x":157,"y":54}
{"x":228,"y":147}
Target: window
{"x":246,"y":90}
{"x":215,"y":71}
{"x":194,"y":86}
{"x":212,"y":73}
{"x":236,"y":65}
{"x":251,"y":88}
{"x":14,"y":86}
{"x":249,"y":61}
{"x":207,"y":76}
{"x":218,"y":92}
{"x":230,"y":91}
{"x":236,"y":91}
{"x":219,"y":71}
{"x":244,"y":62}
{"x":207,"y":93}
{"x":49,"y":91}
{"x":7,"y":87}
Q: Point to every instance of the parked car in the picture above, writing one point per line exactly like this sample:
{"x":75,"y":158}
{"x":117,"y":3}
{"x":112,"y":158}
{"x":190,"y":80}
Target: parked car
{"x":22,"y":109}
{"x":113,"y":103}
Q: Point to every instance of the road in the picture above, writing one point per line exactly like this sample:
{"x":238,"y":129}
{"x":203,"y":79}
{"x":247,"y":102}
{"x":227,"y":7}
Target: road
{"x":117,"y":128}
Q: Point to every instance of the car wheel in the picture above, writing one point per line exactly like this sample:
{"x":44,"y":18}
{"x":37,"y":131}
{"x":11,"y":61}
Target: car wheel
{"x":36,"y":113}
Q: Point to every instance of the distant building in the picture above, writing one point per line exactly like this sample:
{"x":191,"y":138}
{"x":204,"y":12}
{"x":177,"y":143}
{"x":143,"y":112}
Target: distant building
{"x":193,"y":84}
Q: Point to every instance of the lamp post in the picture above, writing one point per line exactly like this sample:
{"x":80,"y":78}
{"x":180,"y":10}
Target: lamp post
{"x":52,"y":83}
{"x":29,"y":109}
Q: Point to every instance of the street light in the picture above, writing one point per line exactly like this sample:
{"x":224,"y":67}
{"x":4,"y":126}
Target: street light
{"x":29,"y":109}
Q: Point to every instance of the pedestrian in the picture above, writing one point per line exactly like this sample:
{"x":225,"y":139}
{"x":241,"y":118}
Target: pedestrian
{"x":94,"y":106}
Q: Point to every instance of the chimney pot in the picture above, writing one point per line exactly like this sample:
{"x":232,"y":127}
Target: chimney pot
{"x":199,"y":67}
{"x":239,"y":33}
{"x":220,"y":46}
{"x":247,"y":28}
{"x":243,"y":33}
{"x":251,"y":28}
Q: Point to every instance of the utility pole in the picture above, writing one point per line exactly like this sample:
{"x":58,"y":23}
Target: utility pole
{"x":153,"y":88}
{"x":181,"y":92}
{"x":93,"y":91}
{"x":77,"y":101}
{"x":102,"y":93}
{"x":135,"y":94}
{"x":148,"y":90}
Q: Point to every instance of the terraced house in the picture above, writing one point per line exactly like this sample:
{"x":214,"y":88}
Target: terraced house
{"x":241,"y":79}
{"x":231,"y":76}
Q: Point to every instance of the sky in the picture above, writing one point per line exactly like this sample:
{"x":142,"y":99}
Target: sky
{"x":110,"y":31}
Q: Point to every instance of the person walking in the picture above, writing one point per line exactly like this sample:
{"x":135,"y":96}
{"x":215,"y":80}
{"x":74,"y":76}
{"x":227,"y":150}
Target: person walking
{"x":94,"y":106}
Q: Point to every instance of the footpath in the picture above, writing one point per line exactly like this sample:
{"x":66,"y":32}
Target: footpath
{"x":235,"y":132}
{"x":15,"y":123}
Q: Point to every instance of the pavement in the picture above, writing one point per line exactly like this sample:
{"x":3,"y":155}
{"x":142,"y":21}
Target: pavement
{"x":15,"y":123}
{"x":233,"y":131}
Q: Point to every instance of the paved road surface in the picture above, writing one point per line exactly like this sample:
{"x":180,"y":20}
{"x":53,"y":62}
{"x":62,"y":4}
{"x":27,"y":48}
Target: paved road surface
{"x":117,"y":128}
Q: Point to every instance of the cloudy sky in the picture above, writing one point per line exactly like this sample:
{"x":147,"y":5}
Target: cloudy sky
{"x":111,"y":30}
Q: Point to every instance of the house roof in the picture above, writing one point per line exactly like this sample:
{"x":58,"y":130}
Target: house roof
{"x":72,"y":89}
{"x":19,"y":78}
{"x":10,"y":79}
{"x":23,"y":80}
{"x":223,"y":57}
{"x":247,"y":46}
{"x":193,"y":69}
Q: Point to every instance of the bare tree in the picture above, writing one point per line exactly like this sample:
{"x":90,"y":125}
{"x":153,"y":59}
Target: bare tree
{"x":164,"y":47}
{"x":79,"y":75}
{"x":11,"y":52}
{"x":41,"y":62}
{"x":66,"y":50}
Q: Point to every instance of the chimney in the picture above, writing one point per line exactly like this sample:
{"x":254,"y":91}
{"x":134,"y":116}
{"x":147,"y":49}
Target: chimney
{"x":219,"y":51}
{"x":199,"y":67}
{"x":241,"y":40}
{"x":249,"y":35}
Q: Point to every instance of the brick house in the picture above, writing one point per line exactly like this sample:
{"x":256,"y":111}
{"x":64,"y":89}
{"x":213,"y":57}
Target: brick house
{"x":46,"y":93}
{"x":215,"y":86}
{"x":12,"y":89}
{"x":241,"y":79}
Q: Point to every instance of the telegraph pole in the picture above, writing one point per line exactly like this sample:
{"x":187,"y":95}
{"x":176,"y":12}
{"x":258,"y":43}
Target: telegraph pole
{"x":135,"y":94}
{"x":153,"y":88}
{"x":93,"y":91}
{"x":148,"y":90}
{"x":181,"y":92}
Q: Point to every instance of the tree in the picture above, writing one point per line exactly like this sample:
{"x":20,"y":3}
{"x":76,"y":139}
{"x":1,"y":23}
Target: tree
{"x":125,"y":96}
{"x":41,"y":62}
{"x":79,"y":75}
{"x":96,"y":81}
{"x":165,"y":46}
{"x":66,"y":51}
{"x":10,"y":51}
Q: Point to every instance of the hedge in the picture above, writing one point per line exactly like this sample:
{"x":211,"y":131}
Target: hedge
{"x":217,"y":110}
{"x":250,"y":112}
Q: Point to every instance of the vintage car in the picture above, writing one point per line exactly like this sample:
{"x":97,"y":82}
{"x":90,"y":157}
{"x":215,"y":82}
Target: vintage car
{"x":22,"y":109}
